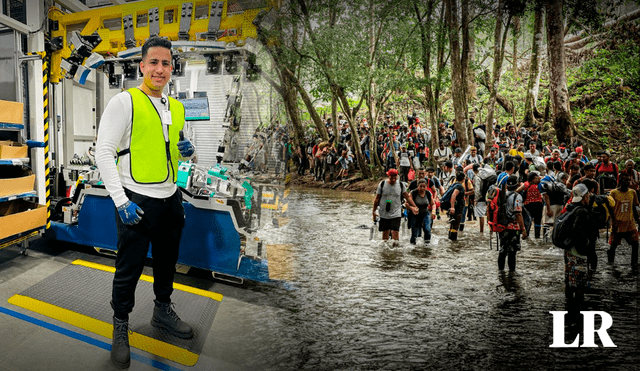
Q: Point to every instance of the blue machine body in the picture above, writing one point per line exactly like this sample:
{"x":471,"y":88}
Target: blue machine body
{"x":209,"y":241}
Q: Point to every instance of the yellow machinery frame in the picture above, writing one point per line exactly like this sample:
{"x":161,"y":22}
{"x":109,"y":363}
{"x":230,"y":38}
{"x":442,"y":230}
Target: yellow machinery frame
{"x":113,"y":40}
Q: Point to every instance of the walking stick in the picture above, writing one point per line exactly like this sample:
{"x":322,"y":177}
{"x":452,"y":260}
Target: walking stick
{"x":490,"y":240}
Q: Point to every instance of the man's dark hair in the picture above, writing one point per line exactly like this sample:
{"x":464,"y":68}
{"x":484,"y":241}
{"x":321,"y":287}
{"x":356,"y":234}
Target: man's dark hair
{"x":588,"y":167}
{"x":590,"y":183}
{"x":448,"y":164}
{"x":574,"y":167}
{"x":550,"y":165}
{"x":557,"y":165}
{"x":509,"y":166}
{"x":155,"y":41}
{"x":460,"y":176}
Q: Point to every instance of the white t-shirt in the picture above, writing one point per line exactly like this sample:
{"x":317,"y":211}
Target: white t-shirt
{"x":114,"y":135}
{"x":442,"y":154}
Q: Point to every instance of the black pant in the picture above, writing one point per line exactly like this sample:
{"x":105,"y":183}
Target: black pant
{"x":455,"y":225}
{"x":161,"y":225}
{"x":535,"y":209}
{"x":509,"y":246}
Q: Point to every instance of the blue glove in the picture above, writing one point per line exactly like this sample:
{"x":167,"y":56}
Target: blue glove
{"x":185,"y":147}
{"x":130,"y":213}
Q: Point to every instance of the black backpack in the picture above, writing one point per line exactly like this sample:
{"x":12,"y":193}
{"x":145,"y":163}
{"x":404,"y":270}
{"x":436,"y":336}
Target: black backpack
{"x":445,"y":200}
{"x":600,"y":211}
{"x":563,"y":229}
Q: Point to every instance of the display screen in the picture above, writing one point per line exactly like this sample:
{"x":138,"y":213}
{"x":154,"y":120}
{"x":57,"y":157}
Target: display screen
{"x":196,"y":108}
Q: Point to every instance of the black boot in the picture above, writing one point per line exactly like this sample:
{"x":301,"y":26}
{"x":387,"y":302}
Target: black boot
{"x":165,"y":317}
{"x":611,"y":255}
{"x":120,"y":353}
{"x":537,"y":231}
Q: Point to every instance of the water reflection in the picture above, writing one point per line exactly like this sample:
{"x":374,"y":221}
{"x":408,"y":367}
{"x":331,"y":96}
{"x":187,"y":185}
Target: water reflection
{"x":361,"y":304}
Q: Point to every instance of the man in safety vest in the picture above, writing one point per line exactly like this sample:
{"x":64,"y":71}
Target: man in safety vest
{"x":141,"y":127}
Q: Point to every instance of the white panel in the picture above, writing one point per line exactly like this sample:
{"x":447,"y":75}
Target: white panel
{"x":84,"y":116}
{"x":81,"y":148}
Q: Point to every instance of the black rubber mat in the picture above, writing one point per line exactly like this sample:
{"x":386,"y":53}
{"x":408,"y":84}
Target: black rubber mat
{"x":87,"y":291}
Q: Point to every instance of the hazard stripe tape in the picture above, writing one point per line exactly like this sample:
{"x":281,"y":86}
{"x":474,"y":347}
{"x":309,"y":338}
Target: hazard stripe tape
{"x":45,"y":114}
{"x":144,"y":277}
{"x":136,"y":340}
{"x":87,"y":339}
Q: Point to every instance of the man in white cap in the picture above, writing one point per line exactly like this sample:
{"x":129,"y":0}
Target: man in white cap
{"x":578,"y":255}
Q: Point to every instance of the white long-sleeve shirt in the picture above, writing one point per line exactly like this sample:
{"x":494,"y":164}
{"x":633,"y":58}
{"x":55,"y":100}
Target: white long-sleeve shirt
{"x":114,"y":135}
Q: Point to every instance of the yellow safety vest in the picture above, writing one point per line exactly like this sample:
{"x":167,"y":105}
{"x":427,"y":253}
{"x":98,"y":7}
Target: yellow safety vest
{"x":152,"y":159}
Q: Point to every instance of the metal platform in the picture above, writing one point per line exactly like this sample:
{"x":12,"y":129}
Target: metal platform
{"x":79,"y":295}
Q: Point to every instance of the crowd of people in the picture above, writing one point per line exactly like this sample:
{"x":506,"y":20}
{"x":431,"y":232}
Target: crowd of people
{"x":520,"y":183}
{"x":516,"y":184}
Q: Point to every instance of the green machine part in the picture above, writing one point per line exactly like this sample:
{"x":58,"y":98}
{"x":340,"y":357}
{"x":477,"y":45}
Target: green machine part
{"x":184,"y":172}
{"x":247,"y":194}
{"x":218,"y":174}
{"x":221,"y":169}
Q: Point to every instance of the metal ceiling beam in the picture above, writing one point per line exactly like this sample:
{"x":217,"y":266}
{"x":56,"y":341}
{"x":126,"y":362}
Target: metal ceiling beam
{"x":73,"y":5}
{"x":15,"y":25}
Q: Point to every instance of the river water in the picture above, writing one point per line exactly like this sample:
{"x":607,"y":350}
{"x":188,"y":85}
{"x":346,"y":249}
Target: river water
{"x":355,"y":304}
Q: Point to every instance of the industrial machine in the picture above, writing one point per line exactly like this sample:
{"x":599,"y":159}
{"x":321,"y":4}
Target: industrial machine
{"x":93,"y":55}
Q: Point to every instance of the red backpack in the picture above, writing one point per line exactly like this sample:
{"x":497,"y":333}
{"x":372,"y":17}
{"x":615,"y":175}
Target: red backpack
{"x":497,"y":209}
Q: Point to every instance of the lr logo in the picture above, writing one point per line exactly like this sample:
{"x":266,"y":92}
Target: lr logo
{"x":589,"y":330}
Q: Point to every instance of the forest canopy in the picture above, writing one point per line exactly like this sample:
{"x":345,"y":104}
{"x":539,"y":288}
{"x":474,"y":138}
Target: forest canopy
{"x":569,"y":67}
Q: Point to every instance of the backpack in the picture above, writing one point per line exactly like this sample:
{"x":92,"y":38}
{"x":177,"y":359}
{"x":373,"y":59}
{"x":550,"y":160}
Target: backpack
{"x":480,"y":133}
{"x":497,"y":208}
{"x":487,"y":178}
{"x":601,"y":210}
{"x":606,"y":179}
{"x":556,"y":189}
{"x":329,"y":158}
{"x":563,"y":229}
{"x":445,"y":200}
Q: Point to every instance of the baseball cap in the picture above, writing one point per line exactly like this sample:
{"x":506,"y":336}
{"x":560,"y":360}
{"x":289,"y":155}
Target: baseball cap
{"x":579,"y":149}
{"x":392,"y":172}
{"x":528,"y":155}
{"x":578,"y":192}
{"x":555,"y":150}
{"x":512,"y":181}
{"x":473,"y":149}
{"x":458,"y":150}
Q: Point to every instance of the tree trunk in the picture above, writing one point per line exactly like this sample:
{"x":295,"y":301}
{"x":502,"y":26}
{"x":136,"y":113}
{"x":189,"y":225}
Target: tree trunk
{"x":426,"y":38}
{"x":457,"y":87}
{"x":372,"y":102}
{"x":533,"y":84}
{"x":469,"y":53}
{"x":338,"y":91}
{"x":290,"y":98}
{"x":562,"y":121}
{"x":334,"y":118}
{"x":498,"y":54}
{"x":516,"y":36}
{"x":442,"y":39}
{"x":322,"y":130}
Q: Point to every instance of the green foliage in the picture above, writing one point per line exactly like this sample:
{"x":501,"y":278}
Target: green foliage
{"x":607,"y":87}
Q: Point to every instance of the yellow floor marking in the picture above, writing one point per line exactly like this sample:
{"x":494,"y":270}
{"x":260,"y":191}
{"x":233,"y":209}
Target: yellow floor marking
{"x":136,"y":340}
{"x":177,"y":286}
